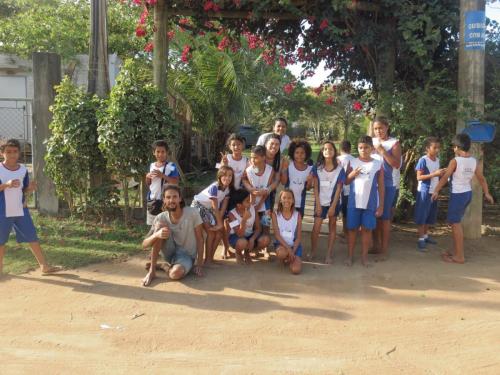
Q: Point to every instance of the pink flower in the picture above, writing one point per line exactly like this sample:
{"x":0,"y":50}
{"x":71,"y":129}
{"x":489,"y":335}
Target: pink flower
{"x":324,"y":24}
{"x":171,"y":35}
{"x":144,"y":16}
{"x":148,"y":47}
{"x":223,"y":44}
{"x":330,"y":100}
{"x":216,"y":8}
{"x":357,"y":106}
{"x":140,"y":31}
{"x":151,"y":2}
{"x":289,"y":87}
{"x":184,"y":21}
{"x":282,"y":61}
{"x":137,"y":2}
{"x":186,"y":55}
{"x":318,"y":90}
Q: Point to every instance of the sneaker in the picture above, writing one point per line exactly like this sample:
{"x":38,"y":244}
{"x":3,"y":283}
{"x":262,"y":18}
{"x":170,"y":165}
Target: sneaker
{"x":421,"y":245}
{"x":430,"y":240}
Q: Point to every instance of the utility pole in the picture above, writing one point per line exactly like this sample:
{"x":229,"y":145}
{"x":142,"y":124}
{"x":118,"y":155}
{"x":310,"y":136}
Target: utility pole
{"x":98,"y":80}
{"x":471,"y":89}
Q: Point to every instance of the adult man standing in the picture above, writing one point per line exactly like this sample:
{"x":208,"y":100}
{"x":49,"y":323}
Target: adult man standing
{"x":280,"y":126}
{"x":177,"y":233}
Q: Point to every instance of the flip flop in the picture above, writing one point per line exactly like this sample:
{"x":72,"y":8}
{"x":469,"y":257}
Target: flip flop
{"x":51,"y":270}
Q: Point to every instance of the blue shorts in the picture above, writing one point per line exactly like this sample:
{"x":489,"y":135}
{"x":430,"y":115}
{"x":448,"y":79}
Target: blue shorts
{"x":324,"y":211}
{"x":233,"y":238}
{"x":175,"y":254}
{"x":357,"y":217}
{"x":425,"y":209}
{"x":389,"y":194}
{"x":298,"y":252}
{"x":23,"y":226}
{"x":457,"y":205}
{"x":344,"y":201}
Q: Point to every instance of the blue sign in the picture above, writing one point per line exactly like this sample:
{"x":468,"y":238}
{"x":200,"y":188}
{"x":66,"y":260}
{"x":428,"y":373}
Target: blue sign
{"x":481,"y":132}
{"x":475,"y":30}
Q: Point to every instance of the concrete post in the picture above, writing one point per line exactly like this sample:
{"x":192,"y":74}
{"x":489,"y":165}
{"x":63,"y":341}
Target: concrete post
{"x":471,"y":88}
{"x":46,"y":75}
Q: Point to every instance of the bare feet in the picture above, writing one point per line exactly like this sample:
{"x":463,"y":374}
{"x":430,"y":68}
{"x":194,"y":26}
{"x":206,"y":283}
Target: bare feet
{"x":381,"y":258}
{"x":227,"y":254}
{"x":47,"y":270}
{"x":452,"y":259}
{"x":160,"y":266}
{"x":366,"y":263}
{"x":328,"y":260}
{"x":239,"y":259}
{"x":248,"y":258}
{"x":148,"y":279}
{"x":348,"y":262}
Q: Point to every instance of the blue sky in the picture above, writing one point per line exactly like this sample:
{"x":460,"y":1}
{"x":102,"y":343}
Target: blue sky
{"x":492,"y":11}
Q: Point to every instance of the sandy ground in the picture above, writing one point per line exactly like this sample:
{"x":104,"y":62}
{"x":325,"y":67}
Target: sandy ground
{"x":413,"y":314}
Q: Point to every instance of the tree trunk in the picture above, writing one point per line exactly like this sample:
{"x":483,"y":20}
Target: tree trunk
{"x":98,"y":78}
{"x":386,"y":65}
{"x":160,"y":41}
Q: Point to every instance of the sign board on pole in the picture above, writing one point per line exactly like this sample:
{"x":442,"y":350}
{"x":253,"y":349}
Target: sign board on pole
{"x":475,"y":30}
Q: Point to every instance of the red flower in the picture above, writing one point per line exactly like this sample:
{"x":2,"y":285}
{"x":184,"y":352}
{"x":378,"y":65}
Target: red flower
{"x":144,"y":16}
{"x":330,"y":100}
{"x":324,"y":24}
{"x":186,"y":55}
{"x":140,"y":31}
{"x":269,"y":56}
{"x":289,"y":87}
{"x":209,"y":5}
{"x":209,"y":25}
{"x":235,"y":46}
{"x":357,"y":106}
{"x":184,"y":21}
{"x":148,"y":47}
{"x":201,"y":33}
{"x":137,"y":2}
{"x":223,"y":44}
{"x":215,"y":8}
{"x":171,"y":35}
{"x":318,"y":90}
{"x":282,"y":61}
{"x":151,"y":2}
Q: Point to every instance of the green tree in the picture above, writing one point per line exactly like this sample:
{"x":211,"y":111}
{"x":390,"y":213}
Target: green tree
{"x":136,"y":115}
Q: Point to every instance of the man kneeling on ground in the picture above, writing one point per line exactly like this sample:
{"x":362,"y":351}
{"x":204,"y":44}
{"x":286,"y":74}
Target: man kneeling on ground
{"x":177,"y":233}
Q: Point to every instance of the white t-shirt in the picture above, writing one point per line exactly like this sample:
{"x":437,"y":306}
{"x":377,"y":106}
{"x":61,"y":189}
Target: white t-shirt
{"x":297,"y":181}
{"x":238,"y":166}
{"x":288,"y":228}
{"x":156,"y":186}
{"x":285,"y":141}
{"x":13,"y":197}
{"x":344,"y":160}
{"x":248,"y":224}
{"x":259,"y":182}
{"x":462,"y":177}
{"x":206,"y":196}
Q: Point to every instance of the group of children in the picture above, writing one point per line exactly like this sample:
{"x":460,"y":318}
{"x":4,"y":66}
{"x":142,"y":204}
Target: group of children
{"x":240,"y":208}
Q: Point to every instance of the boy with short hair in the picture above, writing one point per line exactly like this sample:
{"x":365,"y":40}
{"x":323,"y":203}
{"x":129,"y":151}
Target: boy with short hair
{"x":428,"y":173}
{"x":366,"y":198}
{"x":461,"y":169}
{"x":161,"y":172}
{"x":14,"y":184}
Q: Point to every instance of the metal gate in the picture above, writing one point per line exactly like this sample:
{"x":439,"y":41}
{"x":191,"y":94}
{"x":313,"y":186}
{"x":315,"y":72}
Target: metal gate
{"x":16,"y":123}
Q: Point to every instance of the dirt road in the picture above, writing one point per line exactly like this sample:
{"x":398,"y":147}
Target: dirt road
{"x":413,"y":314}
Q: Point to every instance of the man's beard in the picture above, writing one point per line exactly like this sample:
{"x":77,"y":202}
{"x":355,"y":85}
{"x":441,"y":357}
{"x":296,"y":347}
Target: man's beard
{"x":172,"y":208}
